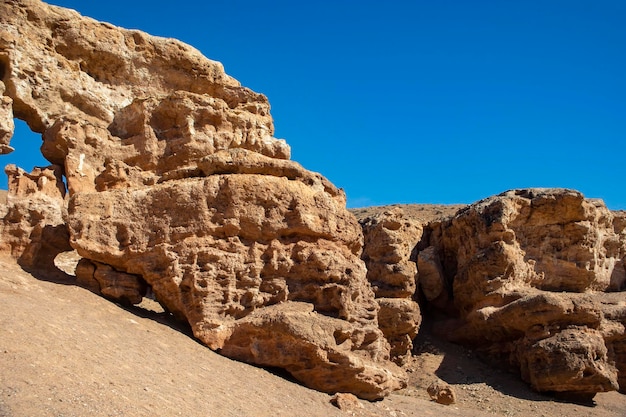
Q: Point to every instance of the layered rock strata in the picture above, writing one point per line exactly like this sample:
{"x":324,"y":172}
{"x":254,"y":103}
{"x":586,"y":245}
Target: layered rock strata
{"x":177,"y":185}
{"x":536,"y":279}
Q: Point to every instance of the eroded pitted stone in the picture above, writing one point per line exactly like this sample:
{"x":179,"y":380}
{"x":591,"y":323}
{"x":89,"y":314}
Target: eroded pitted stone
{"x":528,"y":268}
{"x":219,"y":249}
{"x":33,"y":228}
{"x":7,"y":125}
{"x":176,"y":182}
{"x":389,"y":241}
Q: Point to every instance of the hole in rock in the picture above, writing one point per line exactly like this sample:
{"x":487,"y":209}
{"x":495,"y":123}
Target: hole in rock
{"x":27,"y":153}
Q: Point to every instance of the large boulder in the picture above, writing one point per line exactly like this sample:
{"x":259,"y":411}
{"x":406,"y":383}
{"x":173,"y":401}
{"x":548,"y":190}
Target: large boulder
{"x":533,"y":277}
{"x":177,"y":185}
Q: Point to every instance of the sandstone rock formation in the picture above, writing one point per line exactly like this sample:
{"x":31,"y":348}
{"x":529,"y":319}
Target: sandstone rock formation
{"x":33,"y":222}
{"x":389,"y":240}
{"x":6,"y":121}
{"x":535,"y":278}
{"x":176,"y":184}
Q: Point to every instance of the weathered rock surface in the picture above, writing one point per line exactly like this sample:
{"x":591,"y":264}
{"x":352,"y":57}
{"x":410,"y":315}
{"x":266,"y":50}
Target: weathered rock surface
{"x":6,"y":121}
{"x":177,"y":185}
{"x":33,"y":226}
{"x":389,"y":240}
{"x":535,"y":278}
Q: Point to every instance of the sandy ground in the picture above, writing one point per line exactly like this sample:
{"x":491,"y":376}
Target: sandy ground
{"x":65,"y":352}
{"x":424,"y":212}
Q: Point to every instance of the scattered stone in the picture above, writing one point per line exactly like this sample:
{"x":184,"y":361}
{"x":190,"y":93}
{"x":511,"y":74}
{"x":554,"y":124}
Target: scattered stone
{"x":346,"y":402}
{"x":441,"y":392}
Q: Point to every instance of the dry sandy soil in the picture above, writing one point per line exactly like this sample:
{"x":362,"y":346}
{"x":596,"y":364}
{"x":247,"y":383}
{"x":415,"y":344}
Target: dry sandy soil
{"x":424,"y":212}
{"x":66,"y":352}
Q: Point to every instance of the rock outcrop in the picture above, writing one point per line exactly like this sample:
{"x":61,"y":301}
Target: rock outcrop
{"x":177,"y":187}
{"x":33,"y":221}
{"x":390,"y":238}
{"x":176,"y":184}
{"x":535,"y":278}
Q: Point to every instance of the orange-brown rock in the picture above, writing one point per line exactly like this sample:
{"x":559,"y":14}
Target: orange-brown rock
{"x":6,"y":120}
{"x":389,"y":241}
{"x":399,"y":319}
{"x":103,"y":279}
{"x":178,"y":186}
{"x":104,"y":96}
{"x":432,"y":281}
{"x":33,"y":226}
{"x":529,"y":271}
{"x":441,"y":392}
{"x":346,"y":402}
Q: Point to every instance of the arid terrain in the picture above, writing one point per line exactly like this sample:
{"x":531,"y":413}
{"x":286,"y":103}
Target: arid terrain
{"x":67,"y":352}
{"x":173,"y":259}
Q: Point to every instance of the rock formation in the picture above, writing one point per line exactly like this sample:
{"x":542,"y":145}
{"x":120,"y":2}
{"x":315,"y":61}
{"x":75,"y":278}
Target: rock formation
{"x":389,"y":240}
{"x":177,"y":184}
{"x":33,"y":228}
{"x":535,"y":278}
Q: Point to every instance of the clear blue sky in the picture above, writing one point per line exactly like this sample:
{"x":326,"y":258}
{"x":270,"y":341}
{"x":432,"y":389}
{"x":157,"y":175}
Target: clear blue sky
{"x":422,"y":101}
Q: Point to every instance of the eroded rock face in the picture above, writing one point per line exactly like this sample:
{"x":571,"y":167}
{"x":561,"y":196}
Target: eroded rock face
{"x":177,"y":184}
{"x":390,"y":238}
{"x":33,"y":226}
{"x":531,"y":273}
{"x":6,"y":121}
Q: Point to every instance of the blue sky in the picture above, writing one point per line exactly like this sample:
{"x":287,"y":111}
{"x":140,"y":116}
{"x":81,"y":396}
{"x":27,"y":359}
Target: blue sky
{"x":442,"y":101}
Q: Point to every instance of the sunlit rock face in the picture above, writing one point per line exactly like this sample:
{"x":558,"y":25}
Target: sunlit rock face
{"x":176,"y":184}
{"x":536,"y":278}
{"x":390,"y":238}
{"x":33,"y":226}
